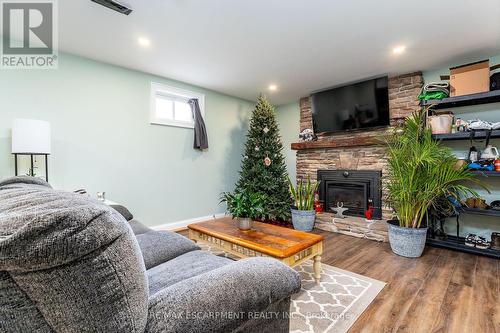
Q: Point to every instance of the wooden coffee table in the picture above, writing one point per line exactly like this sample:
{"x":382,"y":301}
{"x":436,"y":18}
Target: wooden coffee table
{"x":290,"y":246}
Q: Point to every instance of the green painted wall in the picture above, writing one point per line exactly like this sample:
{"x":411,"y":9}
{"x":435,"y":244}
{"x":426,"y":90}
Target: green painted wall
{"x":102,"y":139}
{"x":289,"y":118}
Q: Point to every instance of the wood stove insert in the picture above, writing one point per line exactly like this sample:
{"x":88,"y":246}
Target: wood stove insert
{"x":355,"y":189}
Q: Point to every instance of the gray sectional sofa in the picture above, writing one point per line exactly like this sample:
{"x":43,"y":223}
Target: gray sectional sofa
{"x":72,"y":264}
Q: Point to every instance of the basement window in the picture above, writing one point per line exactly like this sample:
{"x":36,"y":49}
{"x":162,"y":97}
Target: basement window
{"x":169,"y":106}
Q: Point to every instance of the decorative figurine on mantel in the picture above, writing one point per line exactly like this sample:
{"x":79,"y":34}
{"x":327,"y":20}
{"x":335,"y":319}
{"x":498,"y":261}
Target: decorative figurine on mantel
{"x":307,"y":135}
{"x":339,"y":210}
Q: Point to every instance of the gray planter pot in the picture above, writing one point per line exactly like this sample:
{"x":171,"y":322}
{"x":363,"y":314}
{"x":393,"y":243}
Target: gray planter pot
{"x":406,"y":242}
{"x":303,"y":220}
{"x":244,"y":223}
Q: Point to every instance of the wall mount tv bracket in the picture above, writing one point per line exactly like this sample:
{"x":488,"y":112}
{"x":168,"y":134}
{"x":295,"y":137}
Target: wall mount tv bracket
{"x":115,"y":5}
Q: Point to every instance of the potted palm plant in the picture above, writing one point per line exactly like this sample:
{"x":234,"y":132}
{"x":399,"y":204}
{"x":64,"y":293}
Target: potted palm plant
{"x":244,"y":207}
{"x":420,"y":173}
{"x":303,"y":213}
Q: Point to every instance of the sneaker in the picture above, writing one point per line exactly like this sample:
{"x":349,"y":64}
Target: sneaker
{"x":482,"y":243}
{"x":495,"y":241}
{"x":478,"y":124}
{"x":470,"y":240}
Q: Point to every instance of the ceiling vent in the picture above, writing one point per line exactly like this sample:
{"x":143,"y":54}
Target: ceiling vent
{"x":114,"y":5}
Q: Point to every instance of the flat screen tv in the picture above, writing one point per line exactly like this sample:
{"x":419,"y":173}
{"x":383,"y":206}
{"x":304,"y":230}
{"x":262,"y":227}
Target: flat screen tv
{"x":362,"y":105}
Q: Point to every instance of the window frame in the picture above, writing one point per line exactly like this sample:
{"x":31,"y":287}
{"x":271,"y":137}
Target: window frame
{"x":174,"y":94}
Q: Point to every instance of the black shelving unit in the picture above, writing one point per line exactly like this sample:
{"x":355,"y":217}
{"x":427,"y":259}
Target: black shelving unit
{"x":466,"y":100}
{"x":484,"y":212}
{"x":466,"y":136}
{"x":487,"y":173}
{"x":457,"y":242}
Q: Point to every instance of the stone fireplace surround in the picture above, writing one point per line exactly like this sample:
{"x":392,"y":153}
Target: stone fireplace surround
{"x":356,"y":151}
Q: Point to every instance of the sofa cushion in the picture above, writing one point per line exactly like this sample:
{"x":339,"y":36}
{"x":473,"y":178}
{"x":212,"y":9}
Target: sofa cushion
{"x":158,"y":247}
{"x":202,"y":303}
{"x":75,"y":259}
{"x":183,"y":267}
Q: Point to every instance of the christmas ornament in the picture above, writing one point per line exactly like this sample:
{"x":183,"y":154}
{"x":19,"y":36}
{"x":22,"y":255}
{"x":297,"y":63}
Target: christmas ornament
{"x":266,"y":130}
{"x":256,"y":148}
{"x":267,"y":161}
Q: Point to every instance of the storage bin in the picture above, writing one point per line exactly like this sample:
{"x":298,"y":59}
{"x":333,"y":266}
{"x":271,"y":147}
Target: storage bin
{"x":440,"y":124}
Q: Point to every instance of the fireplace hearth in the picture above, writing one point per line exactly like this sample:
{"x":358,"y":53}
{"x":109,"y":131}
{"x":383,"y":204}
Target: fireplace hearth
{"x":353,"y":189}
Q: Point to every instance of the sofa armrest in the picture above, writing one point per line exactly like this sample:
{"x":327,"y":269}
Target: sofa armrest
{"x":158,"y":247}
{"x":223,"y":299}
{"x":138,"y":228}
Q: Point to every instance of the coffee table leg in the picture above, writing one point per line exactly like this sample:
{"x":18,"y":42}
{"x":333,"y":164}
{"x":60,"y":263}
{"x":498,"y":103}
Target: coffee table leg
{"x":191,"y":236}
{"x":317,"y":267}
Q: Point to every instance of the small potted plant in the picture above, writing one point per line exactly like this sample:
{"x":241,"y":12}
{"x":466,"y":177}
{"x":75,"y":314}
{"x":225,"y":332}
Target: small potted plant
{"x":303,"y":213}
{"x":244,"y":207}
{"x":420,"y":173}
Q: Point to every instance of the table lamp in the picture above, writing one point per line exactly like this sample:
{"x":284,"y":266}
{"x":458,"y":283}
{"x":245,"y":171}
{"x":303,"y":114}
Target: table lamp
{"x":31,"y":137}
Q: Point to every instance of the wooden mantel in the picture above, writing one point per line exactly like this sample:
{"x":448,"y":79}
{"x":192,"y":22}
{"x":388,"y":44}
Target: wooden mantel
{"x":340,"y":142}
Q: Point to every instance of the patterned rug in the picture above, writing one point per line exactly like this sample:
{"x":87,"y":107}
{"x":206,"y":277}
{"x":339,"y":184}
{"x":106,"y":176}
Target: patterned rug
{"x":333,"y":305}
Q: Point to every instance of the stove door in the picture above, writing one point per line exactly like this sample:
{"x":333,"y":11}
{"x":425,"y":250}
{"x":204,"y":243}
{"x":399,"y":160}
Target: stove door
{"x":354,"y":196}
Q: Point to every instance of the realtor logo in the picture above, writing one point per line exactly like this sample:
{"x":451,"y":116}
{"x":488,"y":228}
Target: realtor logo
{"x":29,"y":37}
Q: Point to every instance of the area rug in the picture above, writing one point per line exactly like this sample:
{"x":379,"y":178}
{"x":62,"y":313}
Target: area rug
{"x":333,"y":305}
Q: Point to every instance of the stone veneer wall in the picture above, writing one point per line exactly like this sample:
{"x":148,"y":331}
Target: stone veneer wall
{"x":403,"y":100}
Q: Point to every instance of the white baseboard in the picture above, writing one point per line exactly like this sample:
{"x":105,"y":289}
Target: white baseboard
{"x":184,"y":223}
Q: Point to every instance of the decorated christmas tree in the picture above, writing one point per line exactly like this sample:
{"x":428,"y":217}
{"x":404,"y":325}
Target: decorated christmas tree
{"x":263,"y":168}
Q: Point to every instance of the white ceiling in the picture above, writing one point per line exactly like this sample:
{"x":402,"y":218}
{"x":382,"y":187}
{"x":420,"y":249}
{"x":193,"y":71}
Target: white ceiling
{"x":239,"y":47}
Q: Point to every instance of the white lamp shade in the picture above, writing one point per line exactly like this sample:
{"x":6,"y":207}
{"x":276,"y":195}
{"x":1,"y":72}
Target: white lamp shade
{"x":30,"y":136}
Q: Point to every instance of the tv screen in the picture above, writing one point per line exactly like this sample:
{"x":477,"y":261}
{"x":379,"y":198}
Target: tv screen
{"x":357,"y":106}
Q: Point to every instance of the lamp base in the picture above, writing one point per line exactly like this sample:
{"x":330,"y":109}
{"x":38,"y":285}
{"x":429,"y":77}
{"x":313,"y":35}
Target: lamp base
{"x":32,"y":163}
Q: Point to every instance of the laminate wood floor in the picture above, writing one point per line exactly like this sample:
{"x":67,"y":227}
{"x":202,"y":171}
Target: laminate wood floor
{"x":443,"y":291}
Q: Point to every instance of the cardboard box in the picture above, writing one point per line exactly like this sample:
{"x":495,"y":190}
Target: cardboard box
{"x":470,"y":79}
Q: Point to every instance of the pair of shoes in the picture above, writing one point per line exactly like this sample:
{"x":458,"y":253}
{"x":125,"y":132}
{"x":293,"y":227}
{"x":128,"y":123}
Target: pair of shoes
{"x":495,"y":241}
{"x":477,"y":241}
{"x":476,"y":203}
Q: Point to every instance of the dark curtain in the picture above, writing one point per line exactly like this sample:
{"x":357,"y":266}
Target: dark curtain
{"x":200,"y":130}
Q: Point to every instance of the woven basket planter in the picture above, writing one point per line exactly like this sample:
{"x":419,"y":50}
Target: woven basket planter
{"x":406,"y":242}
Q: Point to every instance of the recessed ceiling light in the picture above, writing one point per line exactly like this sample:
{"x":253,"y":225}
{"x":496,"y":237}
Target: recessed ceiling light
{"x":399,"y":49}
{"x":273,"y":87}
{"x":144,"y":41}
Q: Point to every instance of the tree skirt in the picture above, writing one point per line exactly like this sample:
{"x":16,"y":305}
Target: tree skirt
{"x":334,"y":304}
